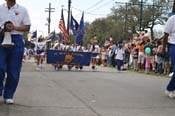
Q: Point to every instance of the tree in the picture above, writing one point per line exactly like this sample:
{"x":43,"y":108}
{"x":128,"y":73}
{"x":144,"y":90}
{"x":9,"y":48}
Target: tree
{"x":151,"y":15}
{"x":124,"y":20}
{"x":102,"y":28}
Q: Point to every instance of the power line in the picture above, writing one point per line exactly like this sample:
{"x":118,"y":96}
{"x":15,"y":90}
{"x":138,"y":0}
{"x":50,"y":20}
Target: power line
{"x":90,"y":13}
{"x":103,"y":5}
{"x":86,"y":12}
{"x":56,"y":2}
{"x":94,"y":5}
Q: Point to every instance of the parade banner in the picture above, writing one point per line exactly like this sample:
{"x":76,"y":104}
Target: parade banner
{"x":68,"y":57}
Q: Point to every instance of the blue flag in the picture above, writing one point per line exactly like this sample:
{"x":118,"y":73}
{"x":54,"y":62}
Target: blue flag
{"x":74,"y":26}
{"x":34,"y":36}
{"x":51,"y":36}
{"x":80,"y":35}
{"x":57,"y":37}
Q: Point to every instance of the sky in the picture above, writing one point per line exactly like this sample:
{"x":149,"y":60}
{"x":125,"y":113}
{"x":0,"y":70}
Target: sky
{"x":93,"y":9}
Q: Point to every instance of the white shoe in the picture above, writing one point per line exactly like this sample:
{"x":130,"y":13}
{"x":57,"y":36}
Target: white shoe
{"x":171,"y":74}
{"x":170,"y":94}
{"x":166,"y":92}
{"x":38,"y":68}
{"x":41,"y":66}
{"x":9,"y":101}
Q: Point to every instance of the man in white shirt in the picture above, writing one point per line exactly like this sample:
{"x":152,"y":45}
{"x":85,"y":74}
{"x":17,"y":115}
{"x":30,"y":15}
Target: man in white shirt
{"x":11,"y":58}
{"x":169,"y":39}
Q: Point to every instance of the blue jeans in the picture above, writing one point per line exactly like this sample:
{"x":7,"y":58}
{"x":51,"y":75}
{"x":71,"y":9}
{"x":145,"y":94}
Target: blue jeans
{"x":171,"y":84}
{"x":159,"y":68}
{"x":10,"y":63}
{"x":119,"y":64}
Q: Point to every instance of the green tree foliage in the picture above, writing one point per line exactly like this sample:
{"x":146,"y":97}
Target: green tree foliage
{"x":125,"y":19}
{"x":102,"y":28}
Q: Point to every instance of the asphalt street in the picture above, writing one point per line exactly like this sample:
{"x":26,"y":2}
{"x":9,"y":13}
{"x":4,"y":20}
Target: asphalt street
{"x":103,"y":92}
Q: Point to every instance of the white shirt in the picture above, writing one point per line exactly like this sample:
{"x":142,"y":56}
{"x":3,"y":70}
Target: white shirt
{"x":68,"y":47}
{"x":62,"y":46}
{"x":80,"y":49}
{"x":119,"y":54}
{"x":40,"y":45}
{"x":56,"y":46}
{"x":17,"y":14}
{"x":59,"y":46}
{"x":96,"y":48}
{"x":170,"y":29}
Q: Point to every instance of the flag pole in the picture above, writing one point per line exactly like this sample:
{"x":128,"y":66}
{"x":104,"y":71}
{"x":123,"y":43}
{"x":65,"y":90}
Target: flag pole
{"x":68,"y":18}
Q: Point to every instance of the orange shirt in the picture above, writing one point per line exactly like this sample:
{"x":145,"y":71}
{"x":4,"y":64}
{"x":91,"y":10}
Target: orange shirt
{"x":141,"y":48}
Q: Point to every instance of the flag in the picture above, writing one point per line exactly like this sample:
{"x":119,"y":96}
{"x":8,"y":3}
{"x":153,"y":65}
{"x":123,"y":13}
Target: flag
{"x":51,"y":36}
{"x":29,"y":36}
{"x":62,"y":27}
{"x":33,"y":36}
{"x":80,"y":35}
{"x":74,"y":26}
{"x":57,"y":37}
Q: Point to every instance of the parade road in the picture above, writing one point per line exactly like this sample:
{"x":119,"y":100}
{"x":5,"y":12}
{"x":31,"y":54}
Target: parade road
{"x":103,"y":92}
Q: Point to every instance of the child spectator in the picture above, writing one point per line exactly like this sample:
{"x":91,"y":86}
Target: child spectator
{"x":135,"y":58}
{"x":147,"y":59}
{"x":166,"y":63}
{"x":159,"y":57}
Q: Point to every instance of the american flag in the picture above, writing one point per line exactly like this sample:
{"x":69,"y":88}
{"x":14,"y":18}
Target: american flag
{"x":62,"y":27}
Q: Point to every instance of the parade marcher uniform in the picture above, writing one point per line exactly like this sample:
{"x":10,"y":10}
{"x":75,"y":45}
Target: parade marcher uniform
{"x":11,"y":57}
{"x":95,"y":48}
{"x":80,"y":49}
{"x":169,"y":38}
{"x":40,"y":52}
{"x":39,"y":47}
{"x":58,"y":46}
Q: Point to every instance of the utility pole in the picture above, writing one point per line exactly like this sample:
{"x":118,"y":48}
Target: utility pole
{"x":173,"y":10}
{"x":68,"y":18}
{"x":49,"y":10}
{"x":153,"y":21}
{"x":141,"y":13}
{"x":126,"y":17}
